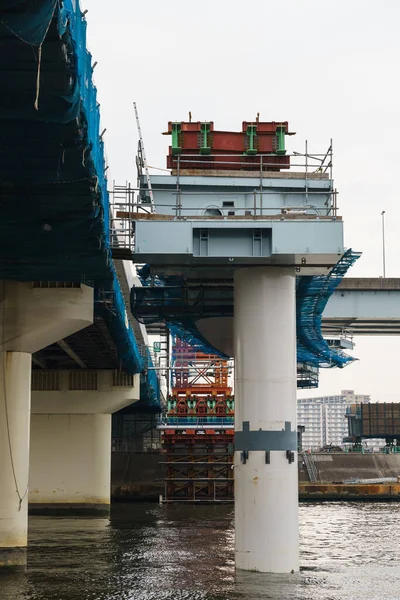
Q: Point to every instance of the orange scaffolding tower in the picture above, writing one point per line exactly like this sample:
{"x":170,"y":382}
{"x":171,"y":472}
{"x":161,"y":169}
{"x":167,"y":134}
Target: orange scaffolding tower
{"x":197,"y":433}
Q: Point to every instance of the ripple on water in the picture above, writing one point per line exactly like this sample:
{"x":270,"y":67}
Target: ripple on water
{"x":150,"y":552}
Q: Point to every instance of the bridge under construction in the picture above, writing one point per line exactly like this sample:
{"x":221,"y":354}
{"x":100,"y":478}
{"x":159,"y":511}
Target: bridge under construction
{"x":241,"y":253}
{"x":234,"y":233}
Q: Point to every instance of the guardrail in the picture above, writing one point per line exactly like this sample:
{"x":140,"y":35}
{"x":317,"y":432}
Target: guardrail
{"x":196,"y":422}
{"x":128,"y":201}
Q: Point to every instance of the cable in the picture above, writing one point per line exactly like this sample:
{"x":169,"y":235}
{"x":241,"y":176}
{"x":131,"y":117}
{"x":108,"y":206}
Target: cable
{"x":20,"y":498}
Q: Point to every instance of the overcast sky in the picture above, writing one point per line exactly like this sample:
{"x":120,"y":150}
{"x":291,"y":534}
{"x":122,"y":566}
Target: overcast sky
{"x":329,"y":68}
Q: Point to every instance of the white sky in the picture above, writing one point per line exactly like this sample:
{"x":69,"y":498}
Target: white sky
{"x":330,"y":68}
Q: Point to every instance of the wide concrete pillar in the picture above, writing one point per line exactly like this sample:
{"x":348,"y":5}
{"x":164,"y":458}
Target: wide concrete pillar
{"x":266,"y":479}
{"x":70,"y":464}
{"x":70,"y":454}
{"x":31,"y":317}
{"x":15,"y":401}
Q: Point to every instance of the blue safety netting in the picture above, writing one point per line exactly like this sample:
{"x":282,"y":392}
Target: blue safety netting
{"x":150,"y":385}
{"x":312,"y":295}
{"x":29,"y":20}
{"x":55,"y":215}
{"x":171,"y":296}
{"x":153,"y":303}
{"x":148,"y":279}
{"x":55,"y":211}
{"x":110,"y":304}
{"x":188,"y":332}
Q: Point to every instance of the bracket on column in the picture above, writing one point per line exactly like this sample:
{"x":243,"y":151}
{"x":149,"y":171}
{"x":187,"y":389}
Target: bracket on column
{"x":244,"y":455}
{"x":290,"y":456}
{"x":267,"y":457}
{"x":266,"y":440}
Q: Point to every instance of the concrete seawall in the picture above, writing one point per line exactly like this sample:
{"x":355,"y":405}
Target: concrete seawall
{"x":136,"y":477}
{"x":370,"y":492}
{"x":336,"y":467}
{"x":139,"y":477}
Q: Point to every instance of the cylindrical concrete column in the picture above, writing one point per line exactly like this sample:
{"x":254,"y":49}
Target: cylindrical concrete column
{"x":266,"y":481}
{"x":70,"y":464}
{"x":15,"y":402}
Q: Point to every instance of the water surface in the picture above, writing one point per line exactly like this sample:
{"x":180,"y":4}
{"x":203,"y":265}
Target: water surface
{"x":149,"y":552}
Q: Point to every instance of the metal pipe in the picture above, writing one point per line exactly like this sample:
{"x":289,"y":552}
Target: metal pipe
{"x":258,"y":155}
{"x":383,"y":244}
{"x":261,"y":183}
{"x":221,"y":193}
{"x":306,"y":171}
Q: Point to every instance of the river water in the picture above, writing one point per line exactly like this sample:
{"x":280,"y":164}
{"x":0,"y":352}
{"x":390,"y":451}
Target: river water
{"x":149,"y":552}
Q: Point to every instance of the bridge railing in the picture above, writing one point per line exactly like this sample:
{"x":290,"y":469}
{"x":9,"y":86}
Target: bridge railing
{"x":128,"y":202}
{"x":210,"y":421}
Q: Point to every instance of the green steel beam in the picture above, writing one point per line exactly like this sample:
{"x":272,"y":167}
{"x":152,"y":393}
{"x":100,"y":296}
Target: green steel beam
{"x":205,"y":148}
{"x":251,"y":134}
{"x":176,"y":132}
{"x":280,"y":133}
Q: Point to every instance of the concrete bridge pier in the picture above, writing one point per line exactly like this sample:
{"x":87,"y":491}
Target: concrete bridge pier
{"x":31,"y":318}
{"x":71,"y":440}
{"x":266,"y":478}
{"x":15,"y":400}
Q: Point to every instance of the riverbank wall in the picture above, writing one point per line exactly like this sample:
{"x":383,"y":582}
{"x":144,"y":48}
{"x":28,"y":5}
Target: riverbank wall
{"x":140,"y":476}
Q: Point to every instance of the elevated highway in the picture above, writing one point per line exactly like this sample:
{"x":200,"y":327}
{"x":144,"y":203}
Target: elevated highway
{"x":62,"y":296}
{"x":359,"y":306}
{"x":364,"y":306}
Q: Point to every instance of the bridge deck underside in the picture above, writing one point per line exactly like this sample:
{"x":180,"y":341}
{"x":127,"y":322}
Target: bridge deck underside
{"x":93,"y":347}
{"x":54,"y":224}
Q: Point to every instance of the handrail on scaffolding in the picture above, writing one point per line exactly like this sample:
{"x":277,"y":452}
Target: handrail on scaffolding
{"x":311,"y":467}
{"x":129,"y":203}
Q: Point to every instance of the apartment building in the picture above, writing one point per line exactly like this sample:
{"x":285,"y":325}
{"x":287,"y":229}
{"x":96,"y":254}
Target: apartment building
{"x":324,"y":418}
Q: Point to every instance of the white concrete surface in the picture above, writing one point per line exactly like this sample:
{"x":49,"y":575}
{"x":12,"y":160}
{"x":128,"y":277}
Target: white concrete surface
{"x":107,"y":399}
{"x":70,"y":460}
{"x":31,"y":318}
{"x":34,"y":317}
{"x":15,"y":397}
{"x":266,"y":495}
{"x":71,"y":442}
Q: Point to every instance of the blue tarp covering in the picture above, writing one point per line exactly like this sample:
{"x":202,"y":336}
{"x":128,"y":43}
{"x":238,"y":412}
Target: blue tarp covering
{"x":312,"y":295}
{"x":29,"y":20}
{"x":54,"y":220}
{"x":188,"y":332}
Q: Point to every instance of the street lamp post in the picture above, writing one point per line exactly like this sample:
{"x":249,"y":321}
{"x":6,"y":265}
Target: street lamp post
{"x":383,"y":244}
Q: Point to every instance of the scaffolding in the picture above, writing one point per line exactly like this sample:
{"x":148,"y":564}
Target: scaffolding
{"x":198,"y":427}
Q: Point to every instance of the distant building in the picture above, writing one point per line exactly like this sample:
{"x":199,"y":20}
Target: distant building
{"x":324,"y":418}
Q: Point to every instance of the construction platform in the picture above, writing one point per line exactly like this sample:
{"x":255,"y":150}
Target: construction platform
{"x":198,"y":428}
